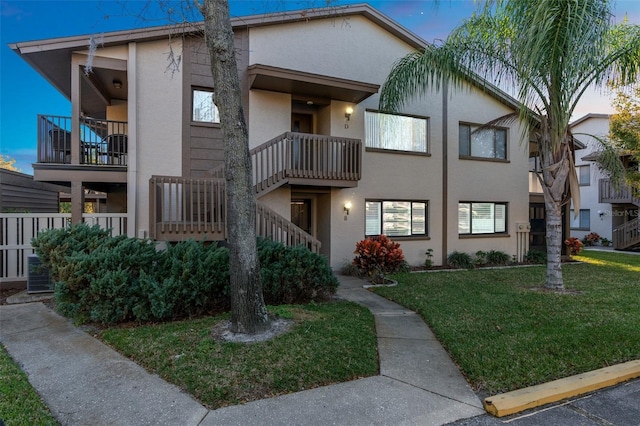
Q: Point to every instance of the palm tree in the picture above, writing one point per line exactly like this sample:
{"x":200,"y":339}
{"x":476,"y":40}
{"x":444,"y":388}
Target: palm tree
{"x":548,"y":52}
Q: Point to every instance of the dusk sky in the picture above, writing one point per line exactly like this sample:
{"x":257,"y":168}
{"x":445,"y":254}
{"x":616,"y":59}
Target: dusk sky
{"x":24,"y":93}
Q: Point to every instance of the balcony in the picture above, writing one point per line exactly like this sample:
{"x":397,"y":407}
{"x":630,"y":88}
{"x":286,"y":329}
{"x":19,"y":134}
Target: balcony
{"x":607,"y":193}
{"x":102,"y":142}
{"x":306,"y":159}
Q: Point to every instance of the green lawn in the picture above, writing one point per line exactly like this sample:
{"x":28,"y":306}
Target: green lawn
{"x":506,"y":335}
{"x":19,"y":403}
{"x":330,"y":342}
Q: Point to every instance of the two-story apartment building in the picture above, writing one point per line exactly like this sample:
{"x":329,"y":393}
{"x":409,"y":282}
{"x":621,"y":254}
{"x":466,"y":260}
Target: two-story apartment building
{"x":329,"y":167}
{"x":609,"y":211}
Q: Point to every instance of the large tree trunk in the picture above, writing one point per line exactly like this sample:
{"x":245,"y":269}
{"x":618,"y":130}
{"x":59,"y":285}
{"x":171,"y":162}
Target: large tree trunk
{"x":554,"y":279}
{"x":248,"y":312}
{"x":556,"y":169}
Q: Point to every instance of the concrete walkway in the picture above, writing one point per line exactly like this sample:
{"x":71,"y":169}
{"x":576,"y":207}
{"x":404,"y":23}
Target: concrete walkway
{"x":85,"y":382}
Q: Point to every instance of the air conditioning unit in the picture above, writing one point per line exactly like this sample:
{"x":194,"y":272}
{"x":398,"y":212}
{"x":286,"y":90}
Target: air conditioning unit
{"x":38,"y":278}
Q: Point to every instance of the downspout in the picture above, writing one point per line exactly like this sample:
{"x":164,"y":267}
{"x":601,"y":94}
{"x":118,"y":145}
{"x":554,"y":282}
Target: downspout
{"x":445,"y":169}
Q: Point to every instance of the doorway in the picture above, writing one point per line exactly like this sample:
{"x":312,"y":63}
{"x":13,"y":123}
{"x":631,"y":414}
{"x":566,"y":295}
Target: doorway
{"x":301,"y":123}
{"x":301,"y":214}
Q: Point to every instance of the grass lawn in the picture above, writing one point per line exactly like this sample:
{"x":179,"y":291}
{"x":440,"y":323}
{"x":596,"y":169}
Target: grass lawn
{"x":19,"y":403}
{"x":505,"y":335}
{"x":329,"y":343}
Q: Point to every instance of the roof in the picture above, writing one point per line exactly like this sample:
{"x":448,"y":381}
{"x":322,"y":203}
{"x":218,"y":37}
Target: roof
{"x":52,"y":57}
{"x":589,"y":116}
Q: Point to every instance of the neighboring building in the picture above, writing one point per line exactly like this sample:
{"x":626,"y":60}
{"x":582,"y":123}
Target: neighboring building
{"x":324,"y":158}
{"x":19,"y":193}
{"x":594,"y":216}
{"x":612,"y":213}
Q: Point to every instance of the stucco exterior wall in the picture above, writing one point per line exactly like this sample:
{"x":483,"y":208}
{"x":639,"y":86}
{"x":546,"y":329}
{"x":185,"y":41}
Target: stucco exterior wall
{"x":362,"y":51}
{"x":159,"y":124}
{"x":270,"y":116}
{"x":486,"y":181}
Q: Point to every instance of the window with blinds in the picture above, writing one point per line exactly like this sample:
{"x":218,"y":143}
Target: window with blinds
{"x":396,"y":218}
{"x":482,"y":218}
{"x":395,"y":132}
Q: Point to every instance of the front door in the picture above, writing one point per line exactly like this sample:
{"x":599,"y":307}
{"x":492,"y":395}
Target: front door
{"x":301,"y":214}
{"x":537,"y":237}
{"x":301,"y":123}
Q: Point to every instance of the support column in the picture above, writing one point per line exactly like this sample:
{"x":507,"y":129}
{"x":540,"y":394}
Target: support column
{"x":76,"y":61}
{"x":133,"y":209}
{"x":77,"y":202}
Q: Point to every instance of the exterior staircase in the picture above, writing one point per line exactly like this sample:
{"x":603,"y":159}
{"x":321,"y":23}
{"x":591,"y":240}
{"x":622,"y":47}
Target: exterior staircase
{"x":627,"y":235}
{"x":183,"y":207}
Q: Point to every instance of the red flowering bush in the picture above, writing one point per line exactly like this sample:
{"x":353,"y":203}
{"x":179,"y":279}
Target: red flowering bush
{"x":574,"y":245}
{"x":591,"y":239}
{"x":378,"y":256}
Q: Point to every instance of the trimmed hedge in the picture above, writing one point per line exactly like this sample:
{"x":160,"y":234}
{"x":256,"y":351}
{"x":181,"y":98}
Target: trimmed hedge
{"x":108,"y":279}
{"x":293,"y":274}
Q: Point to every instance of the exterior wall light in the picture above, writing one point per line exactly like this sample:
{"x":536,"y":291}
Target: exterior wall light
{"x":347,"y":207}
{"x":348,"y":113}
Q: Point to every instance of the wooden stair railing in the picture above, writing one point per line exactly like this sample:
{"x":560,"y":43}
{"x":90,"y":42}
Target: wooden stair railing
{"x":627,"y":235}
{"x":182,"y":208}
{"x":270,"y":224}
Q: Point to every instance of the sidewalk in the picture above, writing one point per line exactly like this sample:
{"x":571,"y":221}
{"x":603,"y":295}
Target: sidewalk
{"x":85,"y":382}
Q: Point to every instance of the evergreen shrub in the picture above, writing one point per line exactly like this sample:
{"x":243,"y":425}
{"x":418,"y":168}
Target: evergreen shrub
{"x":108,"y":279}
{"x":294,"y":274}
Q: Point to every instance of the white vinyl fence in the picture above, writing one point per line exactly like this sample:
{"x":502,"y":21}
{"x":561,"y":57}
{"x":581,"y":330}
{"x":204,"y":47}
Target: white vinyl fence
{"x":18,"y":229}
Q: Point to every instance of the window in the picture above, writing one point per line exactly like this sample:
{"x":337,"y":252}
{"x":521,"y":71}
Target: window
{"x":534,"y":165}
{"x":482,"y":218}
{"x":482,"y":143}
{"x":395,"y":132}
{"x":584,"y":175}
{"x":396,"y":218}
{"x":583,"y":221}
{"x":204,"y":110}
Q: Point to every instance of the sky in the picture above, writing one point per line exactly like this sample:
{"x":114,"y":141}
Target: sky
{"x":24,"y":93}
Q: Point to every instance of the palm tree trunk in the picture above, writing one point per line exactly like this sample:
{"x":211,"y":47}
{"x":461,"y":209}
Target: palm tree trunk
{"x":248,"y":311}
{"x":554,"y":279}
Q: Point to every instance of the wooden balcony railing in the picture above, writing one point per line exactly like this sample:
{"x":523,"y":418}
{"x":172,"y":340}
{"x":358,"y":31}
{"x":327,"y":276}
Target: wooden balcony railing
{"x":183,"y":208}
{"x":327,"y":160}
{"x":607,"y":193}
{"x":102,"y":142}
{"x":627,"y":235}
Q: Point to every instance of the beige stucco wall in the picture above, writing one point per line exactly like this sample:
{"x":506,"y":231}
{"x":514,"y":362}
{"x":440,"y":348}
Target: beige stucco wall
{"x":362,"y":51}
{"x":159,"y":122}
{"x":279,"y":200}
{"x":270,"y":116}
{"x":117,"y":111}
{"x":473,"y":180}
{"x":113,"y":52}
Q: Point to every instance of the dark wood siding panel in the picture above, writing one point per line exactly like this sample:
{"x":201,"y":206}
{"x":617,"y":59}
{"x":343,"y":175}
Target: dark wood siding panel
{"x":203,"y":147}
{"x":20,"y":193}
{"x":207,"y":154}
